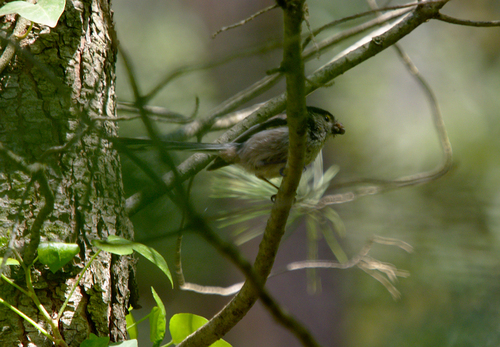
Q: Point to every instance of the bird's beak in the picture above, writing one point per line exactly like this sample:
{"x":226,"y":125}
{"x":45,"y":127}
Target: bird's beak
{"x":338,"y":128}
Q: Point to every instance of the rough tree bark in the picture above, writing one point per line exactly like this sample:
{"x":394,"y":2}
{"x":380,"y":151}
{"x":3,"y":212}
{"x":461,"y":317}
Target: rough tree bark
{"x":85,"y":178}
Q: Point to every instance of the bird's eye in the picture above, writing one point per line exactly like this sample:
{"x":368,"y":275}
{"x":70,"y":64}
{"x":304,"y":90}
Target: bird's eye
{"x":327,"y":119}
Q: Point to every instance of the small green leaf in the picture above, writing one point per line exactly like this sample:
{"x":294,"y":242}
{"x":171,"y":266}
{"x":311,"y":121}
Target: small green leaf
{"x":159,"y":303}
{"x":184,"y":324}
{"x":153,"y":256}
{"x":157,"y":326}
{"x":46,"y":12}
{"x":94,"y":341}
{"x":157,"y":320}
{"x":115,"y":245}
{"x":56,"y":254}
{"x":133,"y":332}
{"x":128,"y":343}
{"x":10,"y":261}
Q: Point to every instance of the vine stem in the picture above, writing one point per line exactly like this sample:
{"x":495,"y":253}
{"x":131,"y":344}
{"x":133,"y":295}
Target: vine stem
{"x":28,"y":319}
{"x":57,"y":339}
{"x":63,"y":307}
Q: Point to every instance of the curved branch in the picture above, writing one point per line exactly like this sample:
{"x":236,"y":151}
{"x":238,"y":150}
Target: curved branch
{"x":471,"y":23}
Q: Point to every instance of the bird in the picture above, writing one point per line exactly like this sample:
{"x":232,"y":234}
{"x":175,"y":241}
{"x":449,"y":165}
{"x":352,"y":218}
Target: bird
{"x":263,"y":148}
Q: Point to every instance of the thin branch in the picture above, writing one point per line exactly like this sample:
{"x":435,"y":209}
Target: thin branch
{"x":471,"y":23}
{"x":244,"y":21}
{"x":153,"y":131}
{"x":234,"y":118}
{"x":348,"y":33}
{"x":161,"y":114}
{"x":366,"y":13}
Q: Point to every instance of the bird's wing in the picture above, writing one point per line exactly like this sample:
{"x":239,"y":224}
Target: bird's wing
{"x":274,"y":122}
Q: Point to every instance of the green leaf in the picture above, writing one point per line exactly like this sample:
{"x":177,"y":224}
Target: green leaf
{"x":46,"y":12}
{"x":159,"y":303}
{"x":94,"y":341}
{"x":153,"y":256}
{"x":157,"y":326}
{"x":157,"y":320}
{"x":117,"y":245}
{"x":56,"y":254}
{"x":10,"y":261}
{"x":128,"y":343}
{"x":133,"y":332}
{"x":184,"y":324}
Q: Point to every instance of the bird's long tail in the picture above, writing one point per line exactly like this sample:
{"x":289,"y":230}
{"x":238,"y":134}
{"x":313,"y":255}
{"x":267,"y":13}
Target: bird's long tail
{"x":144,"y":143}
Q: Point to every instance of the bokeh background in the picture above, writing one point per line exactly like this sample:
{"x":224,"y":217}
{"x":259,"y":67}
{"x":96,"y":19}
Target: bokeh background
{"x":452,"y":296}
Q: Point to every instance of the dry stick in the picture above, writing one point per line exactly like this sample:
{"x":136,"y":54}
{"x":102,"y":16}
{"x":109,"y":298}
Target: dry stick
{"x":223,"y":321}
{"x":308,"y":264}
{"x":326,"y":264}
{"x":197,"y":162}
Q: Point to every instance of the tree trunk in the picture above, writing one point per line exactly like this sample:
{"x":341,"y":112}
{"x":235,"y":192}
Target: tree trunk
{"x":37,"y":114}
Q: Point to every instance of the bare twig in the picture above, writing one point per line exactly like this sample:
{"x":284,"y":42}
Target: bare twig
{"x":156,"y":113}
{"x":244,"y":21}
{"x":362,"y":256}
